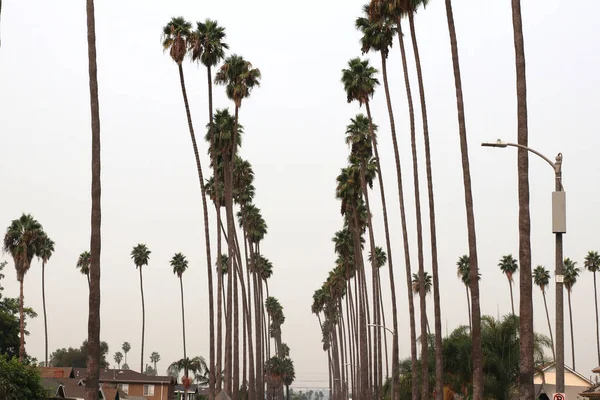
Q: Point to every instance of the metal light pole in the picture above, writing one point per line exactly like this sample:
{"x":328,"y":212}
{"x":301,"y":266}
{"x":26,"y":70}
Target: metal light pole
{"x":559,"y":226}
{"x":394,"y":338}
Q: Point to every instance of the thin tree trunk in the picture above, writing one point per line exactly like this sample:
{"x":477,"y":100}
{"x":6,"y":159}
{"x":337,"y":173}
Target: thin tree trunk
{"x":469,"y":309}
{"x":571,"y":326}
{"x":93,"y":361}
{"x":21,"y":320}
{"x":597,"y":332}
{"x":88,"y":280}
{"x":387,"y":374}
{"x":143,"y":322}
{"x":395,"y":356}
{"x":411,"y":310}
{"x":475,"y":314}
{"x":260,"y":393}
{"x":248,"y":296}
{"x":526,"y":333}
{"x":550,"y":325}
{"x":512,"y":302}
{"x":182,"y":323}
{"x":236,"y":336}
{"x":211,"y":306}
{"x":46,"y":321}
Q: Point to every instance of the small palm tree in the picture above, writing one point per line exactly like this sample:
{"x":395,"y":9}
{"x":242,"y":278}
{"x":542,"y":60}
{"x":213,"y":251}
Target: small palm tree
{"x":592,"y":264}
{"x":154,"y":358}
{"x":571,"y":273}
{"x":180,"y":265}
{"x":126,"y":347}
{"x":508,"y":265}
{"x":44,"y":252}
{"x":463,"y":271}
{"x":196,"y":366}
{"x":118,"y":357}
{"x":140,"y":256}
{"x":541,"y":277}
{"x":83,"y":264}
{"x":416,"y":289}
{"x":21,"y":241}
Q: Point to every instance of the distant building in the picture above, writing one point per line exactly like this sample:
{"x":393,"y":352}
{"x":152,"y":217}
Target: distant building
{"x":545,"y":382}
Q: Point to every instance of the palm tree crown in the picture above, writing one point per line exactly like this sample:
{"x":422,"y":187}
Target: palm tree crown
{"x":592,"y":261}
{"x":378,"y":32}
{"x":45,"y":248}
{"x":571,"y":273}
{"x":541,"y":277}
{"x":239,"y":78}
{"x":508,"y":265}
{"x":206,"y":43}
{"x":140,"y":255}
{"x":179,"y":264}
{"x":175,"y":38}
{"x":83,"y":262}
{"x":415,"y":283}
{"x":21,"y":241}
{"x":359,"y":80}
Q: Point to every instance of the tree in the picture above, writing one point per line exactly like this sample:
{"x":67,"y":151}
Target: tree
{"x":541,"y":277}
{"x":463,"y":271}
{"x":77,"y":357}
{"x":592,"y":264}
{"x":466,"y":169}
{"x":125,"y":347}
{"x":154,"y":358}
{"x":93,"y":372}
{"x":416,"y":289}
{"x":508,"y":265}
{"x":118,"y":357}
{"x":140,"y":256}
{"x":83,"y":264}
{"x":196,"y":366}
{"x":571,"y":273}
{"x":150,"y":371}
{"x":180,"y":265}
{"x":208,"y":47}
{"x":21,"y":241}
{"x":44,"y":252}
{"x":20,"y":381}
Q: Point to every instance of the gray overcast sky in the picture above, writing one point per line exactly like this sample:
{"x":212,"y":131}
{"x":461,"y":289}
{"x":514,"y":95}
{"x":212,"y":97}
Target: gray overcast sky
{"x":294,"y":138}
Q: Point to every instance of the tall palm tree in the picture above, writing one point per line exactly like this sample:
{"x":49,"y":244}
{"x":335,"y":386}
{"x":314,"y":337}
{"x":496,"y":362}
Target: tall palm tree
{"x":93,"y":372}
{"x":118,"y":357}
{"x":592,"y":264}
{"x":180,"y":265}
{"x":140,"y":256}
{"x":571,"y":273}
{"x":239,"y":78}
{"x":22,"y":241}
{"x":508,"y":265}
{"x":463,"y":271}
{"x":208,"y":47}
{"x":466,"y":169}
{"x":44,"y":252}
{"x":126,"y":347}
{"x":541,"y":277}
{"x":526,"y":299}
{"x":83,"y":264}
{"x":154,"y":358}
{"x":416,"y":289}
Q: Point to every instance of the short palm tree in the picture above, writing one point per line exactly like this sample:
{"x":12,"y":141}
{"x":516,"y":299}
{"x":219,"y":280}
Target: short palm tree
{"x":154,"y":358}
{"x":196,"y":366}
{"x":118,"y":357}
{"x":541,"y":277}
{"x":83,"y":264}
{"x":126,"y":347}
{"x":463,"y":271}
{"x":180,"y":265}
{"x":508,"y":265}
{"x":21,"y":241}
{"x":44,"y":252}
{"x":140,"y":256}
{"x":571,"y":273}
{"x":592,"y":264}
{"x":416,"y":289}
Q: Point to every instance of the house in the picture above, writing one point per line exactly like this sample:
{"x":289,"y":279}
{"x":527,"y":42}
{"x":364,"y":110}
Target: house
{"x":545,"y":382}
{"x":116,"y":384}
{"x":192,"y":392}
{"x":74,"y":389}
{"x":593,"y":392}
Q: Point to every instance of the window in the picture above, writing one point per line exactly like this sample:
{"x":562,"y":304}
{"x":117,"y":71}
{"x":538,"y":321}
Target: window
{"x":148,"y":390}
{"x":124,"y":387}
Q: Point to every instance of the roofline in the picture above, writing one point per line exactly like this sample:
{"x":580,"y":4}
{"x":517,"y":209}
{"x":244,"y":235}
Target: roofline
{"x":570,"y":370}
{"x":131,"y":381}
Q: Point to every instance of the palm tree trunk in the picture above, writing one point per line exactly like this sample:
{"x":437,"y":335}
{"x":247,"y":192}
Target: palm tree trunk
{"x":512,"y":302}
{"x":46,"y":321}
{"x":143,"y":322}
{"x":182,"y":322}
{"x":597,"y":326}
{"x":88,"y":279}
{"x":395,"y":356}
{"x":260,"y":386}
{"x":411,"y":310}
{"x":236,"y":336}
{"x":549,"y":324}
{"x":571,"y":326}
{"x":218,"y":383}
{"x":385,"y":345}
{"x":477,"y":353}
{"x":526,"y":333}
{"x":248,"y":312}
{"x":93,"y":362}
{"x":469,"y":309}
{"x":211,"y":306}
{"x":21,"y":321}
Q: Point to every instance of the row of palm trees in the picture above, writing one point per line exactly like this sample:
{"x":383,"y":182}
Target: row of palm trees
{"x":345,"y":335}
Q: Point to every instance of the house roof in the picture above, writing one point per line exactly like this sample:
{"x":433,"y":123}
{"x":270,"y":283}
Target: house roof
{"x":547,"y":366}
{"x":125,"y":376}
{"x":110,"y":393}
{"x":55,"y":387}
{"x":56,"y":372}
{"x":593,"y":392}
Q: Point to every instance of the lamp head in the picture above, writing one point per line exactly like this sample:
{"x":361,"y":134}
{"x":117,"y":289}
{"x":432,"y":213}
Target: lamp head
{"x":497,"y":143}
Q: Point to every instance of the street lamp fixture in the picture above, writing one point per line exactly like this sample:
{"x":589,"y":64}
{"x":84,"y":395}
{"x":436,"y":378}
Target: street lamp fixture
{"x":559,"y":226}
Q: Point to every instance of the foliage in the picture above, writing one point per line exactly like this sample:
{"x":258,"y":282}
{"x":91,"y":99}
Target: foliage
{"x":83,"y":262}
{"x":77,"y":358}
{"x":20,"y":381}
{"x":150,"y":371}
{"x":22,"y":240}
{"x":196,"y":366}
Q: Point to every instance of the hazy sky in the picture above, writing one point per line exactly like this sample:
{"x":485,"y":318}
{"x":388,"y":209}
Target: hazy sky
{"x":294,"y":138}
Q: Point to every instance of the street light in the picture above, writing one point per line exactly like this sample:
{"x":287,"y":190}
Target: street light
{"x":394,"y":338}
{"x":559,"y":226}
